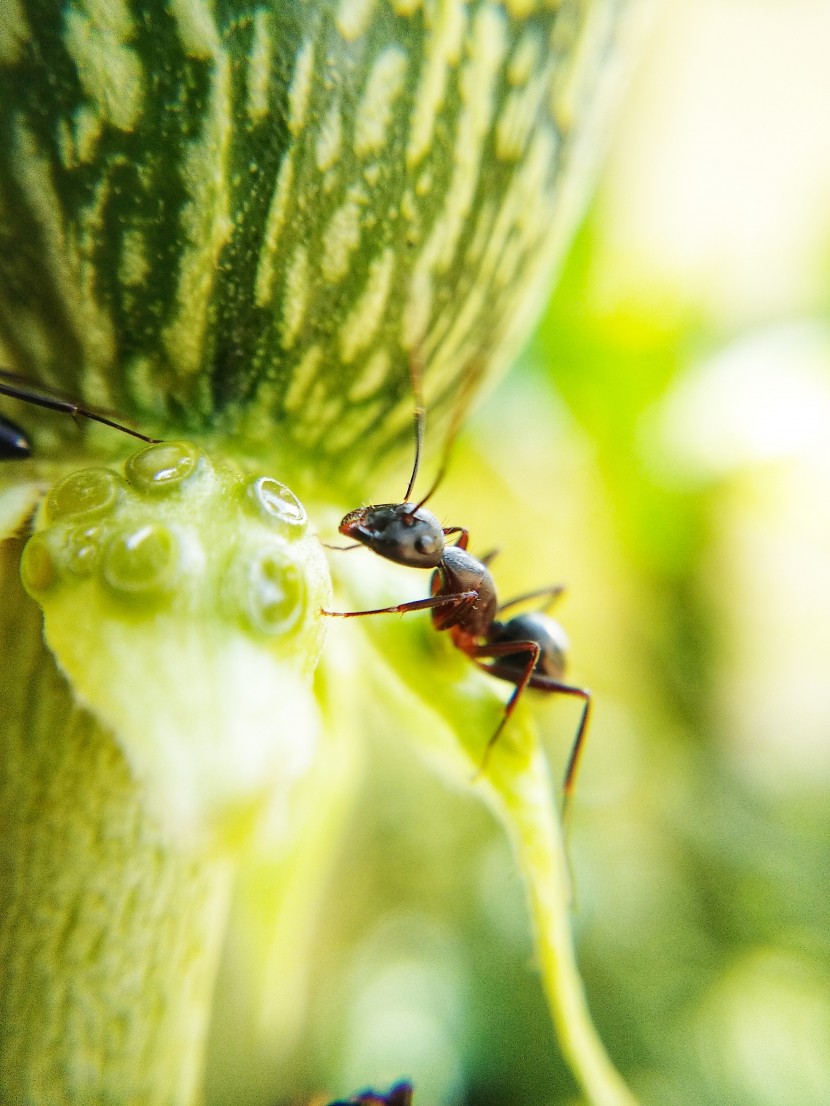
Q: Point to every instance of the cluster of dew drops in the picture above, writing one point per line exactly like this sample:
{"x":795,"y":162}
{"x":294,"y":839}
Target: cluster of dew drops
{"x":175,"y":531}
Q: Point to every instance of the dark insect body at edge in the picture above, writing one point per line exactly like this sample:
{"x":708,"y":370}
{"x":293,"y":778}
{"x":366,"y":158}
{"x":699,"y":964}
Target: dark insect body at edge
{"x":398,"y":1095}
{"x":527,"y":650}
{"x":14,"y":443}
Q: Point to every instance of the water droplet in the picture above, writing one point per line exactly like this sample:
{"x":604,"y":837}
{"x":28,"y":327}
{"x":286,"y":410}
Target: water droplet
{"x":275,"y":595}
{"x":162,"y":467}
{"x":91,"y":491}
{"x":278,"y":505}
{"x":83,"y":549}
{"x":37,"y":565}
{"x":142,"y":560}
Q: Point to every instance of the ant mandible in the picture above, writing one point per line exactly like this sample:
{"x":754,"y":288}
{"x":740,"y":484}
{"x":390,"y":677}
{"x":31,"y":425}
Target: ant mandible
{"x":15,"y":445}
{"x":528,"y":650}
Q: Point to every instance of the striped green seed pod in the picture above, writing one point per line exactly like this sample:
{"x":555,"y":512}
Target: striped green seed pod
{"x":245,"y":219}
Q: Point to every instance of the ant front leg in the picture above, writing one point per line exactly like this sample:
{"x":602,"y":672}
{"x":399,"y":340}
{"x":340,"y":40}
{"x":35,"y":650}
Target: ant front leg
{"x":456,"y":599}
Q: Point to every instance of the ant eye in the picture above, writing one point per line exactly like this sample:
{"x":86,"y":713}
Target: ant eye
{"x":425,"y":544}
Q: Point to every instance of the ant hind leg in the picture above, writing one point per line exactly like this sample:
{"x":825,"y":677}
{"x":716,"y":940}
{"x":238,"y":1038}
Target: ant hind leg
{"x":552,"y":591}
{"x":521,"y":679}
{"x":529,"y":678}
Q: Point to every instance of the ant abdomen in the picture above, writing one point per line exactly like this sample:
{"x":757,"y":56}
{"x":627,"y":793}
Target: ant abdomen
{"x":550,"y":637}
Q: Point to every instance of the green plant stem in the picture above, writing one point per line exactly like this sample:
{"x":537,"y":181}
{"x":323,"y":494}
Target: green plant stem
{"x":109,"y":935}
{"x":527,"y":810}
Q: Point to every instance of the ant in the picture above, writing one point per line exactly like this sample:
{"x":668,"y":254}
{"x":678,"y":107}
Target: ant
{"x":527,"y":650}
{"x":15,"y":445}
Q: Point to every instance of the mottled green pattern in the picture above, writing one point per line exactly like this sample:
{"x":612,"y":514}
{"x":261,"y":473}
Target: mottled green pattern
{"x":97,"y":911}
{"x":246,"y":218}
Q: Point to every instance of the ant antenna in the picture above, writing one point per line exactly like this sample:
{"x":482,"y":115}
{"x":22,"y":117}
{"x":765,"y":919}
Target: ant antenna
{"x":467,"y":382}
{"x":27,"y":394}
{"x":416,"y":379}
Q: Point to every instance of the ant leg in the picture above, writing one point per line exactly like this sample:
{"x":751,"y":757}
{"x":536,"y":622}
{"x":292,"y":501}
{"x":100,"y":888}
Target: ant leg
{"x":341,"y":548}
{"x":553,"y":592}
{"x":489,"y":557}
{"x":502,"y":649}
{"x":547,"y":683}
{"x":569,"y":782}
{"x":67,"y":407}
{"x":456,"y":599}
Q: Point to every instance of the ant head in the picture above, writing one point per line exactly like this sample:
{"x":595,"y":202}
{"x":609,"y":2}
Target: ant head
{"x":401,"y":532}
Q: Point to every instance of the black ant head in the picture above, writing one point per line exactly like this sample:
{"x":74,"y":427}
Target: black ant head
{"x":401,"y":532}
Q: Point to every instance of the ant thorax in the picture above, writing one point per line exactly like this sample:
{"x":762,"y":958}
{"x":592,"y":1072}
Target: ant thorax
{"x":459,"y":571}
{"x":401,"y":532}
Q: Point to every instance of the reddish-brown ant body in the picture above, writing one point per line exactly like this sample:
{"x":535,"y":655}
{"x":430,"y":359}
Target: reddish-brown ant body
{"x":528,"y":650}
{"x":15,"y":445}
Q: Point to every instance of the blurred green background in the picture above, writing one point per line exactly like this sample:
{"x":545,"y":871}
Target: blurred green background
{"x":663,"y":448}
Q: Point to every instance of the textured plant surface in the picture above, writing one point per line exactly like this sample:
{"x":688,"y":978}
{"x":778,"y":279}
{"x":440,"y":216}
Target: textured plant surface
{"x":254,"y":218}
{"x":240,"y":226}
